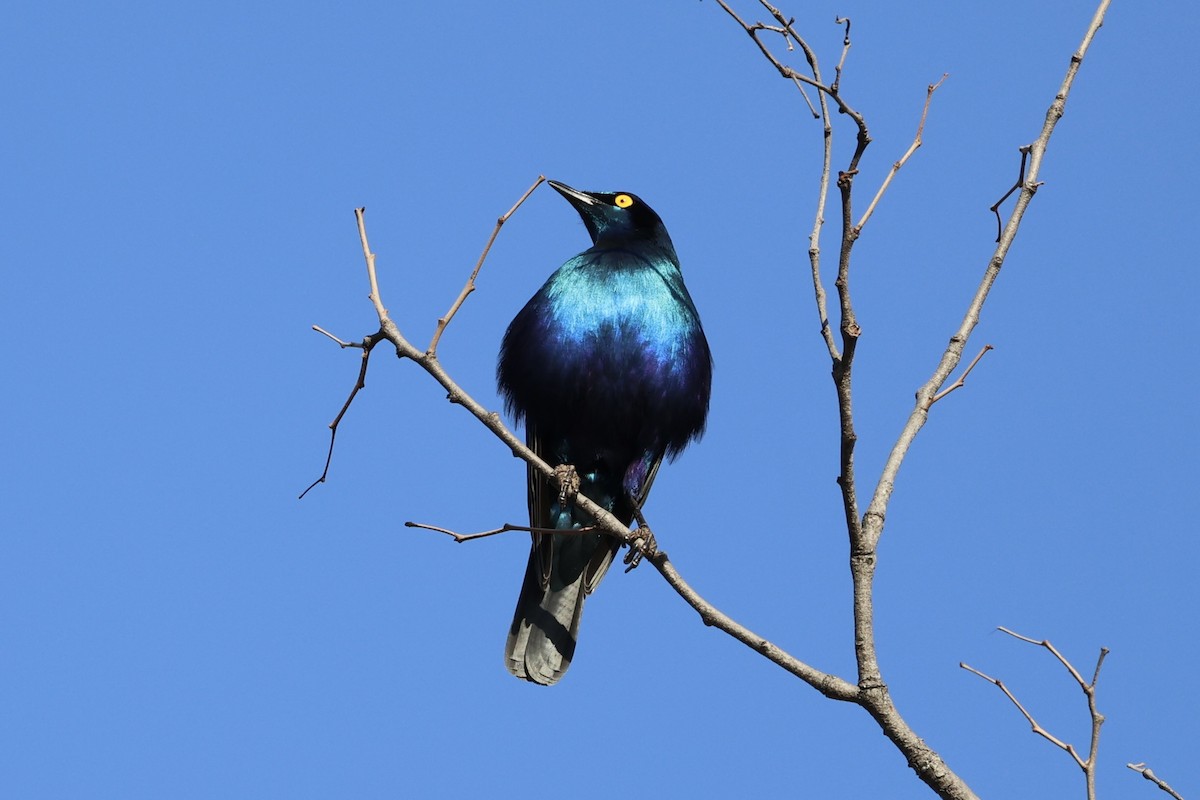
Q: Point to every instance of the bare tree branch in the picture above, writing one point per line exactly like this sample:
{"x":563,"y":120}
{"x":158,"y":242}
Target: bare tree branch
{"x":876,"y":511}
{"x":829,"y":685}
{"x":1149,"y":775}
{"x":814,"y":238}
{"x":369,"y":342}
{"x":1088,"y":765}
{"x":866,"y":530}
{"x":788,"y":72}
{"x":962,"y":379}
{"x":1038,"y":729}
{"x":505,"y":528}
{"x":995,"y":207}
{"x":470,"y":287}
{"x":366,"y":345}
{"x":837,"y":80}
{"x":917,"y":141}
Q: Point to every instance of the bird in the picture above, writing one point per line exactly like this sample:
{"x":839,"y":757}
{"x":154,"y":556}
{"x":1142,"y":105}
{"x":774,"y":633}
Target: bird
{"x":609,"y":368}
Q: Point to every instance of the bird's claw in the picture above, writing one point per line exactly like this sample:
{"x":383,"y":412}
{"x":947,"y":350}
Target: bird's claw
{"x":568,"y":484}
{"x":643,"y":545}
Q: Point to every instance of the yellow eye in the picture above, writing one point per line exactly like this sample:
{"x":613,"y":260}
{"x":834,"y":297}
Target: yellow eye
{"x":623,"y":201}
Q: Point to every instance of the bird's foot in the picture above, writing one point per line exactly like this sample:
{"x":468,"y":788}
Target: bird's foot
{"x":642,"y":546}
{"x":568,"y":484}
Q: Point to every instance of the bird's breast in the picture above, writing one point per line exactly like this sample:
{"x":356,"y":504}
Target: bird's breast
{"x":611,"y":348}
{"x":636,"y":318}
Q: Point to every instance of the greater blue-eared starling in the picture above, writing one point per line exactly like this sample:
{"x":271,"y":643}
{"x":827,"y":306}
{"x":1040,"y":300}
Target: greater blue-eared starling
{"x":609,"y":368}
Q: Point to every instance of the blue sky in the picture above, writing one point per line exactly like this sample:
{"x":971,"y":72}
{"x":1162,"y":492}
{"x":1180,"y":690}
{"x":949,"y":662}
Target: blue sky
{"x":178,"y":195}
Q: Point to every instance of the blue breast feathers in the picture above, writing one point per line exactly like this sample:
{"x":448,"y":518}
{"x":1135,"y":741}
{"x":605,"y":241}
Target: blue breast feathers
{"x":613,"y":338}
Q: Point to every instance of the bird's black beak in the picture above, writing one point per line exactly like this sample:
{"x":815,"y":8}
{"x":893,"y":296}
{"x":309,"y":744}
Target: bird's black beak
{"x":574,"y":196}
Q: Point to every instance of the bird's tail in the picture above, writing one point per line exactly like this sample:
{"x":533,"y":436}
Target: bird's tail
{"x":563,"y":569}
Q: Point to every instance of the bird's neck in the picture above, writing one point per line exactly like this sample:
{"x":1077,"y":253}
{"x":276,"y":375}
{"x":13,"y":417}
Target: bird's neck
{"x":650,"y":247}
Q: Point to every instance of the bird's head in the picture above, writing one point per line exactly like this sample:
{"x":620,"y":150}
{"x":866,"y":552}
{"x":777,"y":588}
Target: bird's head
{"x":616,"y":218}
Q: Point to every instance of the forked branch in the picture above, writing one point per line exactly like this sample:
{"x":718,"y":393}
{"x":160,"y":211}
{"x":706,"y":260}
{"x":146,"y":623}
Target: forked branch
{"x":873,"y":521}
{"x":866,"y":529}
{"x":366,"y":346}
{"x":1088,"y":765}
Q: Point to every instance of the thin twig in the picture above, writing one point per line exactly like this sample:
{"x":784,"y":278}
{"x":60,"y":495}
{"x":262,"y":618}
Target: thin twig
{"x":786,"y":32}
{"x":837,"y":71}
{"x":962,"y":379}
{"x":470,"y":286}
{"x":505,"y":528}
{"x":388,"y":329}
{"x":814,"y":237}
{"x":783,"y":69}
{"x":1038,"y":729}
{"x":1061,"y":658}
{"x":807,"y":102}
{"x":463,"y":537}
{"x":1088,"y":765}
{"x":342,"y":344}
{"x":864,"y":138}
{"x":1149,"y":775}
{"x":912,"y":148}
{"x":366,"y":345}
{"x":862,"y":141}
{"x":995,"y":207}
{"x":359,"y":213}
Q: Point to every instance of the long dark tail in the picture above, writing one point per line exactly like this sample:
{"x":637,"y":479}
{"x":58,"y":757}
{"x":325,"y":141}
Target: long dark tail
{"x":563,"y":569}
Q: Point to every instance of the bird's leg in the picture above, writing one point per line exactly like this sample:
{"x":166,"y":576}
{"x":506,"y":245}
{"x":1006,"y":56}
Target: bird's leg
{"x":643,"y":544}
{"x":568,"y":484}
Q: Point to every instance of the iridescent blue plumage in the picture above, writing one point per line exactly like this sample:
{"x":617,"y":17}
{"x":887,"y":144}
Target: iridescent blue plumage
{"x":609,"y":368}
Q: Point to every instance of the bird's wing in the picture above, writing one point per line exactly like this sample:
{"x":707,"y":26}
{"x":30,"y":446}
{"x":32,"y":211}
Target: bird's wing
{"x":644,"y":491}
{"x":540,"y":495}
